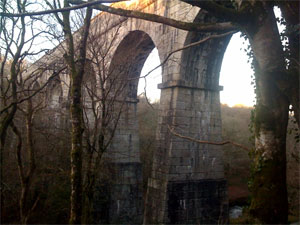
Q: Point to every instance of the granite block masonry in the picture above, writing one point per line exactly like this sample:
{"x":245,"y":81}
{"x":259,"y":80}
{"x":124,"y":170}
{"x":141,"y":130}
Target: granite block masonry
{"x":187,"y":184}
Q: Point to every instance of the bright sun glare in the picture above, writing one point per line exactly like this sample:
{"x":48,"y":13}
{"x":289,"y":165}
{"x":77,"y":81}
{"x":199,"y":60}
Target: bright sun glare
{"x":129,"y":2}
{"x":235,"y":75}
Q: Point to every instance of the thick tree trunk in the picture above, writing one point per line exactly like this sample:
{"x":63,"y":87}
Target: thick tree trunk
{"x":269,"y":193}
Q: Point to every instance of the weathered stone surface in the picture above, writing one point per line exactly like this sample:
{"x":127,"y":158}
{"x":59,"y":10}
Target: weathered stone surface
{"x":187,"y":183}
{"x":126,"y":203}
{"x":197,"y":202}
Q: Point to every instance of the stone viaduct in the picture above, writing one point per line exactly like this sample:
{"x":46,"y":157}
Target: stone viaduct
{"x":187,"y":184}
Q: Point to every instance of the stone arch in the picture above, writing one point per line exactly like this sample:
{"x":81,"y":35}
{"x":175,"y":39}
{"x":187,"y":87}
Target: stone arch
{"x":189,"y":102}
{"x":199,"y":167}
{"x":36,"y":86}
{"x":54,"y":93}
{"x":129,"y":59}
{"x":200,"y":65}
{"x":194,"y":189}
{"x":127,"y":62}
{"x":89,"y":96}
{"x":199,"y":75}
{"x":54,"y":100}
{"x":89,"y":84}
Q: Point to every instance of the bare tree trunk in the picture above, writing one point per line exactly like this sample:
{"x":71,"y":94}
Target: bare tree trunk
{"x":76,"y":151}
{"x":269,"y":201}
{"x":76,"y":68}
{"x":26,"y":179}
{"x":269,"y":192}
{"x":88,"y":191}
{"x":7,"y":119}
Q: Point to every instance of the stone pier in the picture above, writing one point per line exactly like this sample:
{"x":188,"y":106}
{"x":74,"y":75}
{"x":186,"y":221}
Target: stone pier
{"x":187,"y":184}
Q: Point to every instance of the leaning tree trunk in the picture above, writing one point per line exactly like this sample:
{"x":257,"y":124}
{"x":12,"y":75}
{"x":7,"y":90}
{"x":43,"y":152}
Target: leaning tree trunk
{"x":269,"y":201}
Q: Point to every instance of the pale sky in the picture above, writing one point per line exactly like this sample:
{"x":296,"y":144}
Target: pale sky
{"x":235,"y":75}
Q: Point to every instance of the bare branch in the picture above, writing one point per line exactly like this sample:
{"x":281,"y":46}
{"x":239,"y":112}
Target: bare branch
{"x":198,"y":27}
{"x":33,"y":94}
{"x":29,"y":213}
{"x":65,"y":9}
{"x":18,"y":151}
{"x":145,"y":93}
{"x":208,"y":142}
{"x":189,"y":46}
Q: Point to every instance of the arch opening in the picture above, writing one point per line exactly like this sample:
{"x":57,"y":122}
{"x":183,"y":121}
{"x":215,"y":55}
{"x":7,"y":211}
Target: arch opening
{"x":236,"y":74}
{"x":201,"y":70}
{"x":148,"y":86}
{"x":237,"y":101}
{"x":201,"y":64}
{"x":54,"y":93}
{"x":129,"y":59}
{"x":198,"y":116}
{"x":125,"y":70}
